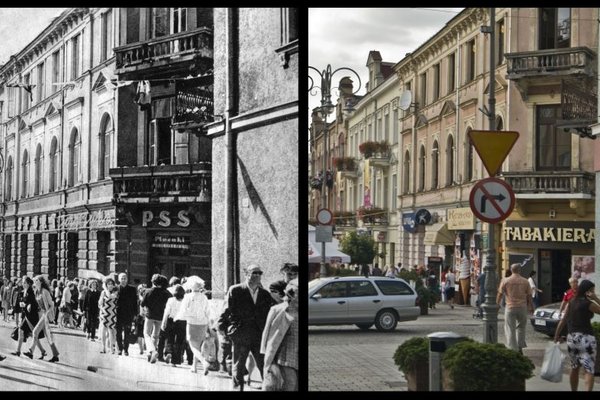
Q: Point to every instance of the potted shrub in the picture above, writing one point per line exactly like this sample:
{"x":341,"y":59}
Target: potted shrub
{"x":383,"y":148}
{"x":368,"y":148}
{"x":412,"y":358}
{"x":475,"y":366}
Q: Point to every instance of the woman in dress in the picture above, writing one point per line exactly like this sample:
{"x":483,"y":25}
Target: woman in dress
{"x":30,"y":317}
{"x":46,"y":314}
{"x":90,"y":307}
{"x":108,"y":315}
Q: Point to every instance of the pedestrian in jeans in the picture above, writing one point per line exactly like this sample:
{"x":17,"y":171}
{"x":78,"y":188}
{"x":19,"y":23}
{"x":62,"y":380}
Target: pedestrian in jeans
{"x":155,"y":300}
{"x":174,"y":328}
{"x":517,"y":294}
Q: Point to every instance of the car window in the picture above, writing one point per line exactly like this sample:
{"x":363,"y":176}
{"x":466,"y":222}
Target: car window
{"x":362,"y":288}
{"x":334,"y":289}
{"x":394,"y":288}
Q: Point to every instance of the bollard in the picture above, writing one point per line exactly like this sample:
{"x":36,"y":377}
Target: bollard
{"x":438,"y":343}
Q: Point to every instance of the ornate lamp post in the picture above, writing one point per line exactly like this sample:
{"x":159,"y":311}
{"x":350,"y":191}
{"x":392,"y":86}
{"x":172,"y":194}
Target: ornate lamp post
{"x":324,"y":110}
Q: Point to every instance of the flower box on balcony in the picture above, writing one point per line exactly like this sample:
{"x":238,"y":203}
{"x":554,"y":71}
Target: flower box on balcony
{"x":369,"y":149}
{"x":373,"y":215}
{"x":344,"y":163}
{"x":345,"y":218}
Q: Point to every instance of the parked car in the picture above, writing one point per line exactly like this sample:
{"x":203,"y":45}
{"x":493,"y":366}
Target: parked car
{"x":347,"y":300}
{"x":545,"y":319}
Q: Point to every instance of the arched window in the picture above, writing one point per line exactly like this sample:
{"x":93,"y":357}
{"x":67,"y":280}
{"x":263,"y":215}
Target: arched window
{"x":406,"y":177}
{"x":469,"y":158}
{"x":25,"y":170}
{"x":422,"y":169}
{"x":53,"y":173}
{"x":104,"y":146}
{"x":9,"y":178}
{"x":450,"y":161}
{"x":38,"y":170}
{"x":74,"y":158}
{"x":435,"y":165}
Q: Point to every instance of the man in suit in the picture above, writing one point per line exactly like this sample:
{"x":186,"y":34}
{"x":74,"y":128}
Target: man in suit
{"x":126,"y":311}
{"x":249,"y":305}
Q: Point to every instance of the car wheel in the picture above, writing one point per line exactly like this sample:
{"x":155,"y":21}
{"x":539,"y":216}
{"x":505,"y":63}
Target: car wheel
{"x":364,"y":327}
{"x":386,"y":321}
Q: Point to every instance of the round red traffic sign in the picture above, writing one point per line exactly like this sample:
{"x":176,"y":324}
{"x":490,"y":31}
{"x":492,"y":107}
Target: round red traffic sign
{"x":492,"y":200}
{"x":324,"y":216}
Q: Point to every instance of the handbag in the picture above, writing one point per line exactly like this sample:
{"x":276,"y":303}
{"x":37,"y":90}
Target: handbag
{"x":553,"y":363}
{"x":15,"y":334}
{"x":273,"y":380}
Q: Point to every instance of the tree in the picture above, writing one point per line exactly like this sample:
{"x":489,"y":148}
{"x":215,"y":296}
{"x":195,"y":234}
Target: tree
{"x":360,"y":248}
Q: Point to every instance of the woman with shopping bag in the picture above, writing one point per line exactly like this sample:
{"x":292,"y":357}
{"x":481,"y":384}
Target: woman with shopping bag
{"x":581,"y":342}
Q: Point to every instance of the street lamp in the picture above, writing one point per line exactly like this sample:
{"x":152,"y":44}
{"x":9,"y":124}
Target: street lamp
{"x":324,"y":110}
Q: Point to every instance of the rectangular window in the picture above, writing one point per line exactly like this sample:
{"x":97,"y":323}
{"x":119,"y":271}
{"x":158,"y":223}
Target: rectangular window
{"x":451,"y":72}
{"x":55,"y":71}
{"x":160,"y":141}
{"x":72,"y":256}
{"x":106,"y":154}
{"x":106,"y":35}
{"x":37,"y":253}
{"x":7,"y":255}
{"x":395,"y":132}
{"x":394,"y":193}
{"x":23,"y":255}
{"x":12,"y":101}
{"x":41,"y":80}
{"x":554,"y":28}
{"x":103,"y":252}
{"x":423,"y":87}
{"x":52,"y":255}
{"x":500,"y":42}
{"x":25,"y":95}
{"x":470,"y":64}
{"x":553,"y":144}
{"x":178,"y":20}
{"x":436,"y":82}
{"x":159,"y":22}
{"x":386,"y":128}
{"x":133,"y":25}
{"x":75,"y":50}
{"x":289,"y":25}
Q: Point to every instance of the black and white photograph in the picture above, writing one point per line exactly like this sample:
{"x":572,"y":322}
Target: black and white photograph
{"x":149,"y":199}
{"x":452,"y":170}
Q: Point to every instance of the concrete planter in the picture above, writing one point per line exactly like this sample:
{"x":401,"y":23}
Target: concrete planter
{"x":418,"y":379}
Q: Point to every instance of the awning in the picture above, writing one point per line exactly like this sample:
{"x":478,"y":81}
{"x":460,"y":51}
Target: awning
{"x":438,"y":234}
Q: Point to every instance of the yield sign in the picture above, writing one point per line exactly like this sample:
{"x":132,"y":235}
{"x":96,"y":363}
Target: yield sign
{"x":492,"y":200}
{"x":493,"y":147}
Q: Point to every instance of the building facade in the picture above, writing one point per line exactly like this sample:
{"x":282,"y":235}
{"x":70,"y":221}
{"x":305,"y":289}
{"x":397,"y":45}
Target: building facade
{"x":58,"y":128}
{"x":255,"y":188}
{"x":409,"y":136}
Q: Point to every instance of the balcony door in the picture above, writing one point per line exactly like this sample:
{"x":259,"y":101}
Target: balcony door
{"x":553,"y":144}
{"x":554,"y":28}
{"x":160,"y":141}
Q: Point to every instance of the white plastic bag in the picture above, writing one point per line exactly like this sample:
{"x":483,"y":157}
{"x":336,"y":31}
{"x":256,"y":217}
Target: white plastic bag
{"x":553,"y":363}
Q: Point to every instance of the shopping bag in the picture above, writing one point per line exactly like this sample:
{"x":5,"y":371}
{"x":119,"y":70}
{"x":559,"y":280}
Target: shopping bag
{"x":553,"y":363}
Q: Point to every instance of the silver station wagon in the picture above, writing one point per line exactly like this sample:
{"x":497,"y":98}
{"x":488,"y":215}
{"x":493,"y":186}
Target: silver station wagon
{"x":361,"y":301}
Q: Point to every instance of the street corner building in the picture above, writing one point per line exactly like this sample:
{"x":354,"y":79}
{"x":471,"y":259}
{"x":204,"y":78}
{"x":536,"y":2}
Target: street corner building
{"x":403,"y":165}
{"x":110,"y":134}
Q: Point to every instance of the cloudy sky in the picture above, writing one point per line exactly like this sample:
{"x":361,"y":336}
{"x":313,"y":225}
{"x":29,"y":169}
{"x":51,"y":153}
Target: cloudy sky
{"x":19,"y":26}
{"x":343,"y":37}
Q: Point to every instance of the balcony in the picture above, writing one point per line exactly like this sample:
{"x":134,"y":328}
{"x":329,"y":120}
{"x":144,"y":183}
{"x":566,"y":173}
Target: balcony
{"x":570,"y":184}
{"x":373,"y":215}
{"x":344,"y":219}
{"x":530,"y":67}
{"x":167,"y":51}
{"x":194,"y":106}
{"x":346,"y":166}
{"x":186,"y":182}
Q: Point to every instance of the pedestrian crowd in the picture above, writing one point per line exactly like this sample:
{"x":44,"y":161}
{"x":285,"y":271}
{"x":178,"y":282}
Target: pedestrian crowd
{"x":173,"y":320}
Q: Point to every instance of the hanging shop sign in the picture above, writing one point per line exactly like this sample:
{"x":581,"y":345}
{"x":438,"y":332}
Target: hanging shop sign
{"x":171,"y":242}
{"x":165,"y":218}
{"x":409,"y":222}
{"x":460,"y":219}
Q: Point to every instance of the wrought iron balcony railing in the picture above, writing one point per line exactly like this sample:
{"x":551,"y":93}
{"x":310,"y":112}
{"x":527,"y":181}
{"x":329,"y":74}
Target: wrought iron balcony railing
{"x":573,"y":60}
{"x":194,"y":42}
{"x":551,"y":182}
{"x":163,"y":180}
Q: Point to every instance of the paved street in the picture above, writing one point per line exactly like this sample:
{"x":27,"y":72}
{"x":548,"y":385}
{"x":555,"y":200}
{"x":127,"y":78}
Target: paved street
{"x":114,"y":373}
{"x":345,"y":358}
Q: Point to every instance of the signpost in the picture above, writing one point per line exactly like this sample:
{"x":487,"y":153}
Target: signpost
{"x":323,"y":234}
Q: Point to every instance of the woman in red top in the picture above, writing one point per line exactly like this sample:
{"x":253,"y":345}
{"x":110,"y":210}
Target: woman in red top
{"x":569,"y":294}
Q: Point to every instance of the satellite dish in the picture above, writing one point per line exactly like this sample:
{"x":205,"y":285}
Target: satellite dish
{"x":405,"y":100}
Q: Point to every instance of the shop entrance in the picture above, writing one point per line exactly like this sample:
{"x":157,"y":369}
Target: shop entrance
{"x":554,"y":272}
{"x":169,"y":255}
{"x":170,"y":266}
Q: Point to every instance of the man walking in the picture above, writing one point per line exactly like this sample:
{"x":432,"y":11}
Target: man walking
{"x":126,"y":311}
{"x":517,"y":294}
{"x":249,"y":305}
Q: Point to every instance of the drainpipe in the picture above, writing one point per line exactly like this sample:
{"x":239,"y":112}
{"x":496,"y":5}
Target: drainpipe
{"x":232,"y":274}
{"x":90,"y":135}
